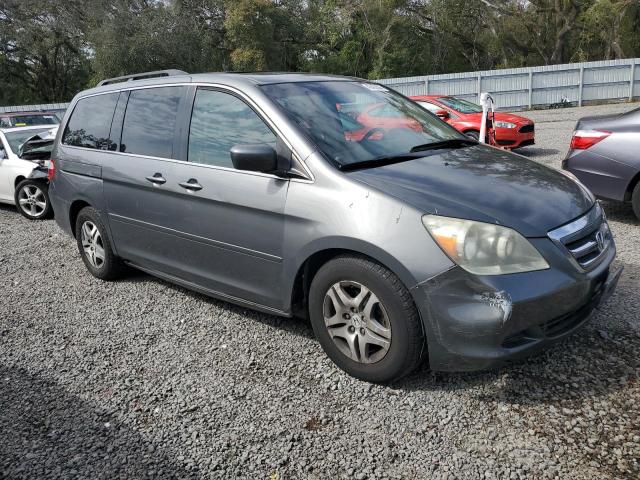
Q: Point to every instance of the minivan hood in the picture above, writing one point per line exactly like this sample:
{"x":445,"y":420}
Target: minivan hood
{"x":484,"y":184}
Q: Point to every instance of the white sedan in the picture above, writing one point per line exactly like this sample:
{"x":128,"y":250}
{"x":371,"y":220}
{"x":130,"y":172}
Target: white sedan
{"x":23,"y":182}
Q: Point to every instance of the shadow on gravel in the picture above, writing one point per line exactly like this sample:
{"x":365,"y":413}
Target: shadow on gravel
{"x":297,"y":326}
{"x":46,"y":432}
{"x":533,"y":152}
{"x":620,"y":212}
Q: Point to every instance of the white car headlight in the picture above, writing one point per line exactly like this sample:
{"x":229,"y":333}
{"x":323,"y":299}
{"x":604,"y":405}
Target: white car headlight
{"x":505,"y":125}
{"x":484,"y":248}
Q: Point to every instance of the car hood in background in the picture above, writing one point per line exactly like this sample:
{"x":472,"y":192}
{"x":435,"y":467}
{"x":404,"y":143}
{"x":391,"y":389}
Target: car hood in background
{"x":502,"y":117}
{"x":484,"y":184}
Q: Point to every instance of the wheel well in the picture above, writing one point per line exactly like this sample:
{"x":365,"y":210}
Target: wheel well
{"x":632,"y":185}
{"x":308,"y":270}
{"x":18,"y":179}
{"x":74,"y":210}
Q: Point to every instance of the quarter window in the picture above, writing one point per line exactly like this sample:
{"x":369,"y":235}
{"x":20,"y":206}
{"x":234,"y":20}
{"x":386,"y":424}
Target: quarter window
{"x":90,"y":123}
{"x":218,"y":122}
{"x":150,"y":120}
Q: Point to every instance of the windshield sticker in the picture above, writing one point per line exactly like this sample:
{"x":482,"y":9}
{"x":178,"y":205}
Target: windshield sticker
{"x":374,"y":87}
{"x":48,"y":117}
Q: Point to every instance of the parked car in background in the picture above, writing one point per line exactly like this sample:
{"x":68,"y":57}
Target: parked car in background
{"x":24,"y":162}
{"x":511,"y":131}
{"x":28,"y":119}
{"x":254,"y":189}
{"x":605,"y":155}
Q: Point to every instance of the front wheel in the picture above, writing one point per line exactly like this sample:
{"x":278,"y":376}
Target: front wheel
{"x":473,"y":134}
{"x":32,"y":199}
{"x":365,"y":319}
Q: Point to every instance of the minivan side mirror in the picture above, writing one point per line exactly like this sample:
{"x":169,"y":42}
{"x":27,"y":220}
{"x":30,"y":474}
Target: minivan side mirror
{"x":254,"y":158}
{"x":442,"y":114}
{"x":3,"y":154}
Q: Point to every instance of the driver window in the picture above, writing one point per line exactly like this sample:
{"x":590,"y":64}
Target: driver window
{"x":218,"y":122}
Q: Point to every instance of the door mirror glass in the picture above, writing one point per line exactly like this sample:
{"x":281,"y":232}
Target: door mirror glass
{"x":254,"y":158}
{"x":442,"y":114}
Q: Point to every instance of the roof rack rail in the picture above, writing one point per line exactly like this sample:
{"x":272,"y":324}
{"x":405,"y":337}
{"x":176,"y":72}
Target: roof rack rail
{"x":141,"y":76}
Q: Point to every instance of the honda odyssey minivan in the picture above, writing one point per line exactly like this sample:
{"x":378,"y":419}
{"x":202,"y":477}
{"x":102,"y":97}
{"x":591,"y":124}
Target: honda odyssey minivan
{"x":404,"y":242}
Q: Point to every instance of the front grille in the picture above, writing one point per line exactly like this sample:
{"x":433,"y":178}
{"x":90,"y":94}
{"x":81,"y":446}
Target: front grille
{"x":585,"y":239}
{"x":527,"y":128}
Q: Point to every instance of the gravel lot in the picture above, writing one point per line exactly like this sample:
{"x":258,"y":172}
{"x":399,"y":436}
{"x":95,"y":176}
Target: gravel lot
{"x":139,"y":378}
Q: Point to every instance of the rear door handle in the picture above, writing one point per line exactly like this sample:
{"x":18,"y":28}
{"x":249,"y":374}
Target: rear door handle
{"x":157,"y":179}
{"x":191,"y":184}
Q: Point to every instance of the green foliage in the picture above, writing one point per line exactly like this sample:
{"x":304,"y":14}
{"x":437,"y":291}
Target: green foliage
{"x":50,"y":49}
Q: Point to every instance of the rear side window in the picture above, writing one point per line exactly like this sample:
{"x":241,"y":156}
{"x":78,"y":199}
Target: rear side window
{"x":90,"y":123}
{"x":150,"y":121}
{"x":218,"y":122}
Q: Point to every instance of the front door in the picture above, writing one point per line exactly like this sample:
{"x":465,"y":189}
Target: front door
{"x":231,"y":222}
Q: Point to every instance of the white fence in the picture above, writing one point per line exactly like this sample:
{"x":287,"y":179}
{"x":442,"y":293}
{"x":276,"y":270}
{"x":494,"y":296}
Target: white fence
{"x":34,"y":108}
{"x":514,"y":88}
{"x":534,"y":87}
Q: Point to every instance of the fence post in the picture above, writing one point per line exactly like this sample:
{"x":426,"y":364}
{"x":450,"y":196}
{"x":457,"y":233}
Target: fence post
{"x":479,"y":85}
{"x":530,"y":89}
{"x":632,"y":80}
{"x":426,"y":86}
{"x":581,"y":85}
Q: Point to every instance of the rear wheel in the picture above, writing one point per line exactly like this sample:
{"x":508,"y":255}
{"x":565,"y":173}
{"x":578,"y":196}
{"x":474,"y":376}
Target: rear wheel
{"x":635,"y":200}
{"x":94,"y":246}
{"x":32,"y":199}
{"x":365,"y":319}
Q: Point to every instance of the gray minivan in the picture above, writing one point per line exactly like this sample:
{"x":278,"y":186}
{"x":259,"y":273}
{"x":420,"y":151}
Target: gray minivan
{"x":399,"y":240}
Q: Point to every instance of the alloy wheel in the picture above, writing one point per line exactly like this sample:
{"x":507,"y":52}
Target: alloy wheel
{"x":357,"y":322}
{"x":32,"y":201}
{"x":92,"y":244}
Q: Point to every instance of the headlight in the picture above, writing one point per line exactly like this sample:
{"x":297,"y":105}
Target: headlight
{"x":484,"y":248}
{"x":505,"y":125}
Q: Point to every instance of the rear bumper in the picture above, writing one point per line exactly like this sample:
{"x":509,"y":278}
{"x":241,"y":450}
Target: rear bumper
{"x":605,"y":177}
{"x":475,"y":323}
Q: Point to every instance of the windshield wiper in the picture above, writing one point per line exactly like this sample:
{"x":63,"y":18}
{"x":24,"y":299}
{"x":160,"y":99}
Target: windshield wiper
{"x":450,"y":143}
{"x":380,"y":161}
{"x":419,"y":151}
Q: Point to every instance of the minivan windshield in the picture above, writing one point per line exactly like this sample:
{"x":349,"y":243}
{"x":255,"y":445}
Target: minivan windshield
{"x":30,"y":120}
{"x":356,"y":122}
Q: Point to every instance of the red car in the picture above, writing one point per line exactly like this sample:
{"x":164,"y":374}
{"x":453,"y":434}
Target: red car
{"x":511,"y":131}
{"x":385,"y":117}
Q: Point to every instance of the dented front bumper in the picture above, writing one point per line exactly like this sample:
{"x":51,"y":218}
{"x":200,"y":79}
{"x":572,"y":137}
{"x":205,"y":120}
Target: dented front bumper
{"x":477,"y":322}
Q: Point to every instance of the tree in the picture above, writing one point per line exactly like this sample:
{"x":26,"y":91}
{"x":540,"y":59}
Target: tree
{"x":43,"y":50}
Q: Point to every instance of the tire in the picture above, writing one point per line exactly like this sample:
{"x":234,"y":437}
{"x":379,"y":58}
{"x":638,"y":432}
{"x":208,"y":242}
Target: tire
{"x":32,"y":199}
{"x":388,"y":304}
{"x":94,"y":246}
{"x":635,"y":200}
{"x":473,"y":134}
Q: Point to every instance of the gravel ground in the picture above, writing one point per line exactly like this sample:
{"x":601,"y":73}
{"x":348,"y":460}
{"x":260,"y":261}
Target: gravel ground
{"x":139,"y":378}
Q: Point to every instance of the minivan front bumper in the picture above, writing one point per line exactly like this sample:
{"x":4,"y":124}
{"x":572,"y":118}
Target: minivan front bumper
{"x":474,"y":323}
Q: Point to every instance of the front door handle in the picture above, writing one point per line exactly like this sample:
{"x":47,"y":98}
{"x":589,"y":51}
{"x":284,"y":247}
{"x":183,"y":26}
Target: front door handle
{"x":191,"y":184}
{"x":157,"y":179}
